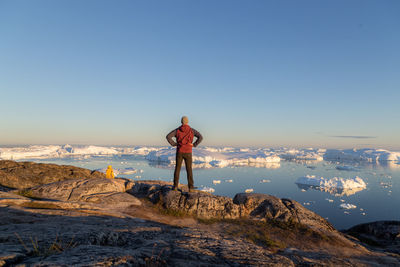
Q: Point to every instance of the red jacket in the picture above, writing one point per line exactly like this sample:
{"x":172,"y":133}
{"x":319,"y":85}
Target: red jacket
{"x":184,"y":138}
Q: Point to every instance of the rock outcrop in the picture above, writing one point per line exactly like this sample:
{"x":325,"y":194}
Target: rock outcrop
{"x":384,"y":235}
{"x":244,"y":205}
{"x":28,"y":174}
{"x":262,"y":206}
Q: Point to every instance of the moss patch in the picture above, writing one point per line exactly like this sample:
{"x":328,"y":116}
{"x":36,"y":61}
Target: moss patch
{"x":39,"y":205}
{"x":27,"y":193}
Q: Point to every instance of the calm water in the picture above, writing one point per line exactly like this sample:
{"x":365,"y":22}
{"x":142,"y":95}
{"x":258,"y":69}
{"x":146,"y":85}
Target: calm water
{"x":379,"y":201}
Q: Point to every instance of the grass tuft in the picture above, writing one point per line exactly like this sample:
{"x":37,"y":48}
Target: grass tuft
{"x":39,"y":250}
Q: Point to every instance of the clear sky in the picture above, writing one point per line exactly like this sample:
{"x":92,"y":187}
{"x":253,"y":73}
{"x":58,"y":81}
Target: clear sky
{"x":246,"y":73}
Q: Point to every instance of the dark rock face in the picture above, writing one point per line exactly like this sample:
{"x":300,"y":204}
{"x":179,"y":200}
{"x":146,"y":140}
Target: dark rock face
{"x":22,"y":175}
{"x":384,"y":234}
{"x":250,"y":205}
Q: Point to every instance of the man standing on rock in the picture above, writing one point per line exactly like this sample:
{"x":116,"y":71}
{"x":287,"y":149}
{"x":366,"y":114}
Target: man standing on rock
{"x":184,"y":142}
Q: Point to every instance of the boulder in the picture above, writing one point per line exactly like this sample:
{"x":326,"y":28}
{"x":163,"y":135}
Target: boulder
{"x":200,"y":204}
{"x":22,"y":175}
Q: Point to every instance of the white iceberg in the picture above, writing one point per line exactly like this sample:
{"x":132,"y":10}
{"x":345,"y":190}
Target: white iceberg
{"x":208,"y":189}
{"x":216,"y":181}
{"x":249,"y":190}
{"x":347,"y":206}
{"x":308,"y":154}
{"x":94,"y":150}
{"x":335,"y":182}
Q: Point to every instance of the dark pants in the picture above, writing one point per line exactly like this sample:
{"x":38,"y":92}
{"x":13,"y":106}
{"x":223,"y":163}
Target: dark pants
{"x":188,"y":163}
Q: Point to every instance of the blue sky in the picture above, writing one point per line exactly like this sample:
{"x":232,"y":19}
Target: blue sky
{"x":247,"y":73}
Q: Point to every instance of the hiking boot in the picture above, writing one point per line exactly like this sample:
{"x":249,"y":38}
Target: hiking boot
{"x":191,"y":190}
{"x":174,"y":188}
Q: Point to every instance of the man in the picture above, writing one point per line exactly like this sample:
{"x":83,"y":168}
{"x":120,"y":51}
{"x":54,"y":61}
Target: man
{"x":184,"y":142}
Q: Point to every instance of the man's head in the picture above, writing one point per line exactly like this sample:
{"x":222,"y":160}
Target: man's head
{"x":184,"y":120}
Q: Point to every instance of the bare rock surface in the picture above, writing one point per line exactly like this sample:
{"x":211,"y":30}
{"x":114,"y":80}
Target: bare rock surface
{"x":97,"y":240}
{"x":22,"y":175}
{"x":107,"y":191}
{"x":65,"y":237}
{"x":118,"y":222}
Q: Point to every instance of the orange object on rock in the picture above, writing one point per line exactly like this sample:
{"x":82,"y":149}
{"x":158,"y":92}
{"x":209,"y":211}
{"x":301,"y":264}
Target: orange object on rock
{"x":109,"y":172}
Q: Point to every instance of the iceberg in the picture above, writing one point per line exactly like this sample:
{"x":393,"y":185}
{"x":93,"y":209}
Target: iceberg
{"x":208,"y":189}
{"x":94,"y":150}
{"x":347,"y":206}
{"x":308,"y":154}
{"x":335,"y":182}
{"x":337,"y":186}
{"x":337,"y":192}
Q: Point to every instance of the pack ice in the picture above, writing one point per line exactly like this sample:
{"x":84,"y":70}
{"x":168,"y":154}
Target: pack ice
{"x":366,"y":154}
{"x":205,"y":157}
